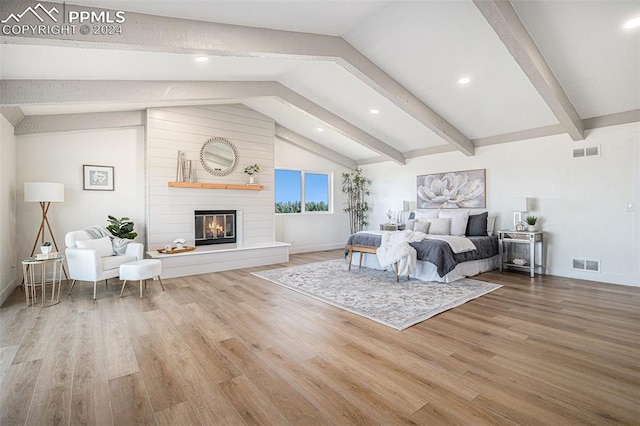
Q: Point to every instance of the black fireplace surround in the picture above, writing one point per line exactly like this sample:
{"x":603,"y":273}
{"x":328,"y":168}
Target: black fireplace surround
{"x":215,"y":227}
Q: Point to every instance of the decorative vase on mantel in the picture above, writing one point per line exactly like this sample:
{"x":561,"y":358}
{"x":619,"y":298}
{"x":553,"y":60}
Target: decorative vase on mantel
{"x":251,"y":180}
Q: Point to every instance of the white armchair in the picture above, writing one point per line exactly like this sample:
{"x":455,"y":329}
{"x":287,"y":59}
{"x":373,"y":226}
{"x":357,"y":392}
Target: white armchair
{"x":93,"y":259}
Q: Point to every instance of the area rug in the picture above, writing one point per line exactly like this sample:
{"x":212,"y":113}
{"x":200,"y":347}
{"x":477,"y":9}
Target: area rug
{"x":374,"y":294}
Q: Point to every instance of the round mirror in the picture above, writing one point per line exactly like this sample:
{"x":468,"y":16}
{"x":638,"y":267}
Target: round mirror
{"x":218,"y":156}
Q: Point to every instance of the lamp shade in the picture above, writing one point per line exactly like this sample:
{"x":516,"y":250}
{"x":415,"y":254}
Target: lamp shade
{"x":35,"y":192}
{"x":520,"y":204}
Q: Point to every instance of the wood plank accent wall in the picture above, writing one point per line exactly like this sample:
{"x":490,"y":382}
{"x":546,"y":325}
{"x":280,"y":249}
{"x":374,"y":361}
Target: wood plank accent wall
{"x":173,"y":129}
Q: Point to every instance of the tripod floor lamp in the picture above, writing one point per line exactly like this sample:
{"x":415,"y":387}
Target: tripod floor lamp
{"x":44,"y":193}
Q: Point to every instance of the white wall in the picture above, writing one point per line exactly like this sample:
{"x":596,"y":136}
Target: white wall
{"x":59,"y":157}
{"x":581,"y":202}
{"x":314,"y":231}
{"x":186,"y":129}
{"x":8,"y":234}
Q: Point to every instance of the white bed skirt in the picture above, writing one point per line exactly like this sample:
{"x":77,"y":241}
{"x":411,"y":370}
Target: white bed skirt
{"x":427,"y":271}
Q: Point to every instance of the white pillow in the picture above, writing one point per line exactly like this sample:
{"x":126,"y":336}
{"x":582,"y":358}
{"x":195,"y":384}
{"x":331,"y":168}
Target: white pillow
{"x":421,"y":226}
{"x":459,"y":219}
{"x":491,"y":223}
{"x":440,"y":226}
{"x":425,"y":214}
{"x":102,"y":245}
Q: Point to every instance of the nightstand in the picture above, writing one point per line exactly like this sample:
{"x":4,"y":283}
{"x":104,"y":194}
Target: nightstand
{"x":392,"y":226}
{"x":521,"y":250}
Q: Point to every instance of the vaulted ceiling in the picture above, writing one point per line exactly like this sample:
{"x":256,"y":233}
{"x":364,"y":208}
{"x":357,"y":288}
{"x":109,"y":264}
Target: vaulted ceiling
{"x":320,"y":68}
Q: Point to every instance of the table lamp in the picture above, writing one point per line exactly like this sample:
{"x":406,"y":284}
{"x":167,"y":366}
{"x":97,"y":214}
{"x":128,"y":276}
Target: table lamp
{"x":44,"y":193}
{"x":520,"y":205}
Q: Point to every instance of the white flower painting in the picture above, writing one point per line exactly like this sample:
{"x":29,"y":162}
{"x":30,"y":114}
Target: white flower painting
{"x":452,"y":190}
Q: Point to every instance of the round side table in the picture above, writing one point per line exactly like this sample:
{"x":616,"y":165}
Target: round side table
{"x":28,"y":272}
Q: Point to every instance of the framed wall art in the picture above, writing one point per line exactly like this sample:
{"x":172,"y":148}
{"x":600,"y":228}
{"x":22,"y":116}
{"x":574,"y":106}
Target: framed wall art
{"x":97,"y":178}
{"x":452,"y":190}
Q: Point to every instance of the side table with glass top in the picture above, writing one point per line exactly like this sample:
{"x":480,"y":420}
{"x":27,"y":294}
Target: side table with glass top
{"x":527,"y":241}
{"x":29,"y":266}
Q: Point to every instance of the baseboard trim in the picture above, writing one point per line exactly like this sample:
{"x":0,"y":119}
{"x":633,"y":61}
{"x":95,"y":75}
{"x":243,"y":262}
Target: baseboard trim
{"x":307,"y":249}
{"x":6,"y":292}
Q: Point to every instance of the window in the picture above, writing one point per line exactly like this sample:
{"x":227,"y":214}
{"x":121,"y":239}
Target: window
{"x":302,"y":192}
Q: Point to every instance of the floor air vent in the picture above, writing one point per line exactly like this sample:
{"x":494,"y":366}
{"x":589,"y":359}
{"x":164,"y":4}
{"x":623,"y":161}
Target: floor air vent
{"x":589,"y":151}
{"x":586,"y":265}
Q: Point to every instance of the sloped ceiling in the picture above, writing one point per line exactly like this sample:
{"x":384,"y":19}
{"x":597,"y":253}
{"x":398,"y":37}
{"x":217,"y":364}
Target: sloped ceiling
{"x":536,"y":67}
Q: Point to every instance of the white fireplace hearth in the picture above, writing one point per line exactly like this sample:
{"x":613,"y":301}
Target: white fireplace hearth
{"x":207,"y":259}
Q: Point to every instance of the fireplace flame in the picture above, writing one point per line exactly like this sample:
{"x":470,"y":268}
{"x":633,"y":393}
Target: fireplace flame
{"x":216,"y":229}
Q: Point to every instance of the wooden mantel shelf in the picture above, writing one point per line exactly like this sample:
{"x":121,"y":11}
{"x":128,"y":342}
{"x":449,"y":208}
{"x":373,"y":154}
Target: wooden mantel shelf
{"x":204,"y":185}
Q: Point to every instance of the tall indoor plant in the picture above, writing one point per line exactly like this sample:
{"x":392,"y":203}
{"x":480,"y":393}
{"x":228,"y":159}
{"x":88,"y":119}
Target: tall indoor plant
{"x":357,"y":187}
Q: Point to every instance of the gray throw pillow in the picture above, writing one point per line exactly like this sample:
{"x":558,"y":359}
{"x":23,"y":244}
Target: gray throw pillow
{"x":422,"y":226}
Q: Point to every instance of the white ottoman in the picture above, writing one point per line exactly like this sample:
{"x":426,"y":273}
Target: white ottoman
{"x":140,"y":270}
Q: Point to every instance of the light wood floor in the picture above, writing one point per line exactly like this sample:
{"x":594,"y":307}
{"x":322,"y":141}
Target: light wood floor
{"x":229,"y":348}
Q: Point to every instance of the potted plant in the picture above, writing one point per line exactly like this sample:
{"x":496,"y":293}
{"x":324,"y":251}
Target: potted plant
{"x":532,"y":222}
{"x":357,"y":187}
{"x":251,"y":170}
{"x":45,"y":248}
{"x":122,"y":228}
{"x":389,"y":214}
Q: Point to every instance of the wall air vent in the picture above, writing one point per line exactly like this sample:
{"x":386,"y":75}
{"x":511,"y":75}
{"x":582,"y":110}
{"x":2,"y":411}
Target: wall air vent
{"x":589,"y":151}
{"x":585,"y":265}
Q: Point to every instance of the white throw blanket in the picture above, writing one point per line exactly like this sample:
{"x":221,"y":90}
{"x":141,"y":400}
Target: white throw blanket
{"x":119,"y":244}
{"x":395,"y":247}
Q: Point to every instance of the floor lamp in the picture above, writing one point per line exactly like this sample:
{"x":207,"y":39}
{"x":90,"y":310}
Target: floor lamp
{"x":44,"y":193}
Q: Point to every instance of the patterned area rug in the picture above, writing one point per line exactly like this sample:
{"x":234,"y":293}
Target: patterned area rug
{"x":375,"y":294}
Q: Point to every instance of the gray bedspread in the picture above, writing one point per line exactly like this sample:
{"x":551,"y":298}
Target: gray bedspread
{"x":438,"y":252}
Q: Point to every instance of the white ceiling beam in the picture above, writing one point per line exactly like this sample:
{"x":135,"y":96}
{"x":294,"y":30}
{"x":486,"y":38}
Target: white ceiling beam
{"x":504,"y":20}
{"x":84,"y":121}
{"x":166,"y":34}
{"x":13,"y":115}
{"x":314,"y":147}
{"x":360,"y":66}
{"x":615,"y":119}
{"x":60,"y":92}
{"x":157,"y":93}
{"x":339,"y":124}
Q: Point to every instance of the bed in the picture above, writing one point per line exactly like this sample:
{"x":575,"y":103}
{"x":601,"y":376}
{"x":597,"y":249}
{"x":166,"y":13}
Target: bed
{"x":436,"y":261}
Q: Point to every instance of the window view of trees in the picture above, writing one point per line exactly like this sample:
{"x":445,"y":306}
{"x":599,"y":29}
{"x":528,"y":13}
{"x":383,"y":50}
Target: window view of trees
{"x":301,"y":192}
{"x":288,"y":207}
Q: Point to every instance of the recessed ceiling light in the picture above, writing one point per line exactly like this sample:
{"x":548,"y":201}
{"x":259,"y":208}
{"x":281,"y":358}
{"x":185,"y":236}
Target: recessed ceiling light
{"x":319,"y":129}
{"x":374,"y":111}
{"x":632,"y":23}
{"x":464,"y":80}
{"x":201,"y":59}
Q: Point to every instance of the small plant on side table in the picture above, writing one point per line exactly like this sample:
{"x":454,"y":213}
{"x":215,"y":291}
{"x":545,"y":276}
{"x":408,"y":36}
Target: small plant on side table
{"x":532,"y":221}
{"x":45,"y":248}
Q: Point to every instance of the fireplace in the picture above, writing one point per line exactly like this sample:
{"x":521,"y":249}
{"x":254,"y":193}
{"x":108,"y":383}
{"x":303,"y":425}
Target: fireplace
{"x":215,"y":227}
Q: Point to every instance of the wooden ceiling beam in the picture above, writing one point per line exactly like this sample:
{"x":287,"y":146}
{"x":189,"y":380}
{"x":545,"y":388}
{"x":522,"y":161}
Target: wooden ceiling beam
{"x":144,"y":32}
{"x":504,"y":20}
{"x":160,"y":93}
{"x":314,"y":147}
